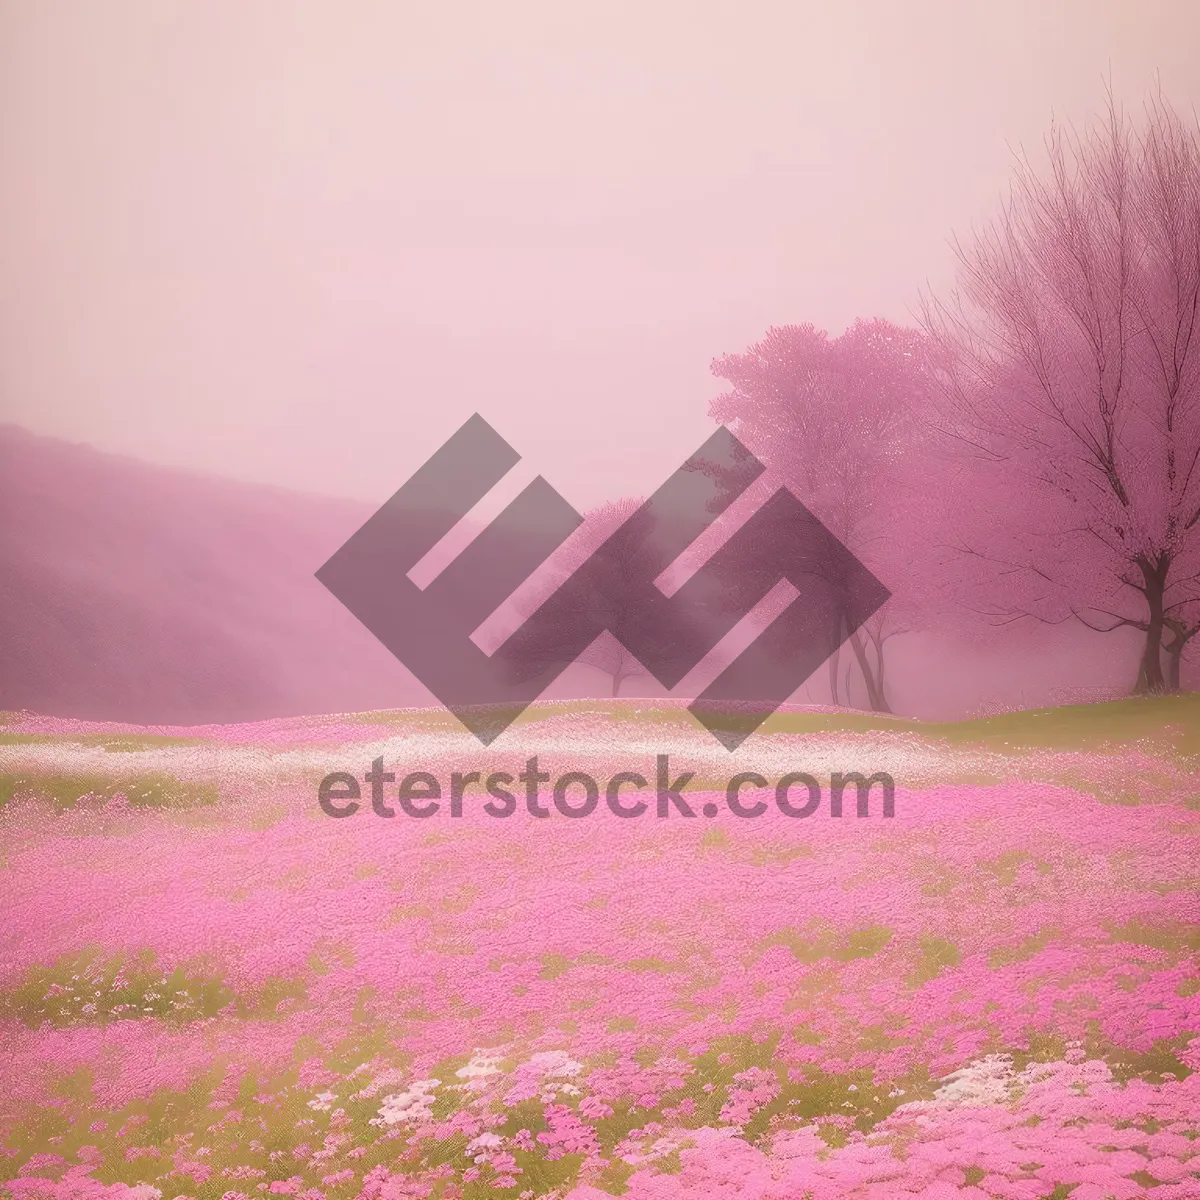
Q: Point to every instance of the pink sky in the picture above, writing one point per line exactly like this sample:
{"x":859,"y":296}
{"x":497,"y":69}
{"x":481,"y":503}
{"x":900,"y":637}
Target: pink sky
{"x":301,"y":242}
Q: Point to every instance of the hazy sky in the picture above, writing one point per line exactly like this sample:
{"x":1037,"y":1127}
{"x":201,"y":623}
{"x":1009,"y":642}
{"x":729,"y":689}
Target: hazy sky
{"x":301,"y":242}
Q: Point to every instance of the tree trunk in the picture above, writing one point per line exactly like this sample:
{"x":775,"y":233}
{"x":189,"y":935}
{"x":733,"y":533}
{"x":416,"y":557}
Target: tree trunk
{"x":619,"y":677}
{"x":1174,"y":651}
{"x":874,"y":688}
{"x":1175,"y":665}
{"x":1150,"y":675}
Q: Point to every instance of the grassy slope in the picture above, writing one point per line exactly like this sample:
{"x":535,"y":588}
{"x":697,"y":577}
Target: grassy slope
{"x":1169,"y":724}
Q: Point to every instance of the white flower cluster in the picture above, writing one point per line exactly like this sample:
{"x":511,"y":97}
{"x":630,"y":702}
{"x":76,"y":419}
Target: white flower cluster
{"x":993,"y":1081}
{"x":1079,"y":1075}
{"x":639,"y":1155}
{"x":409,"y":1107}
{"x":480,"y":1148}
{"x":989,"y":1080}
{"x":555,"y":1064}
{"x":484,"y":1063}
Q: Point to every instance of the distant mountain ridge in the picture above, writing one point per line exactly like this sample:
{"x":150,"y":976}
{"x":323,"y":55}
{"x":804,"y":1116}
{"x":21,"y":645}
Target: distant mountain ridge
{"x":133,"y":592}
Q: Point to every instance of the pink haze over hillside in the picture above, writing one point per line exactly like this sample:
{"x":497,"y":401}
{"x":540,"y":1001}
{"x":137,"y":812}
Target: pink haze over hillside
{"x":133,"y":592}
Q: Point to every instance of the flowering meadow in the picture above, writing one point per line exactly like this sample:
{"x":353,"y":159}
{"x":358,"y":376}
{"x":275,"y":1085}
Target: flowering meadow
{"x":211,"y":989}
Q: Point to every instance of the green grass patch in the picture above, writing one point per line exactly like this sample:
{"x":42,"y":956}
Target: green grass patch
{"x":156,"y":790}
{"x":94,"y":988}
{"x":1003,"y":956}
{"x":90,"y":988}
{"x":936,"y":956}
{"x":829,"y":944}
{"x":1174,"y":939}
{"x":114,"y":742}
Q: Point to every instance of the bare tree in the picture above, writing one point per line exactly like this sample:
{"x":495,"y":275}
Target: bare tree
{"x":1070,"y":366}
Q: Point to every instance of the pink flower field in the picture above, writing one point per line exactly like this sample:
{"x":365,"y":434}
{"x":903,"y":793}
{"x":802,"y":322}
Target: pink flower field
{"x":210,"y":988}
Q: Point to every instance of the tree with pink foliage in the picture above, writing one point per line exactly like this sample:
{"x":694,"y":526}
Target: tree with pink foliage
{"x":1069,"y":365}
{"x":842,"y":422}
